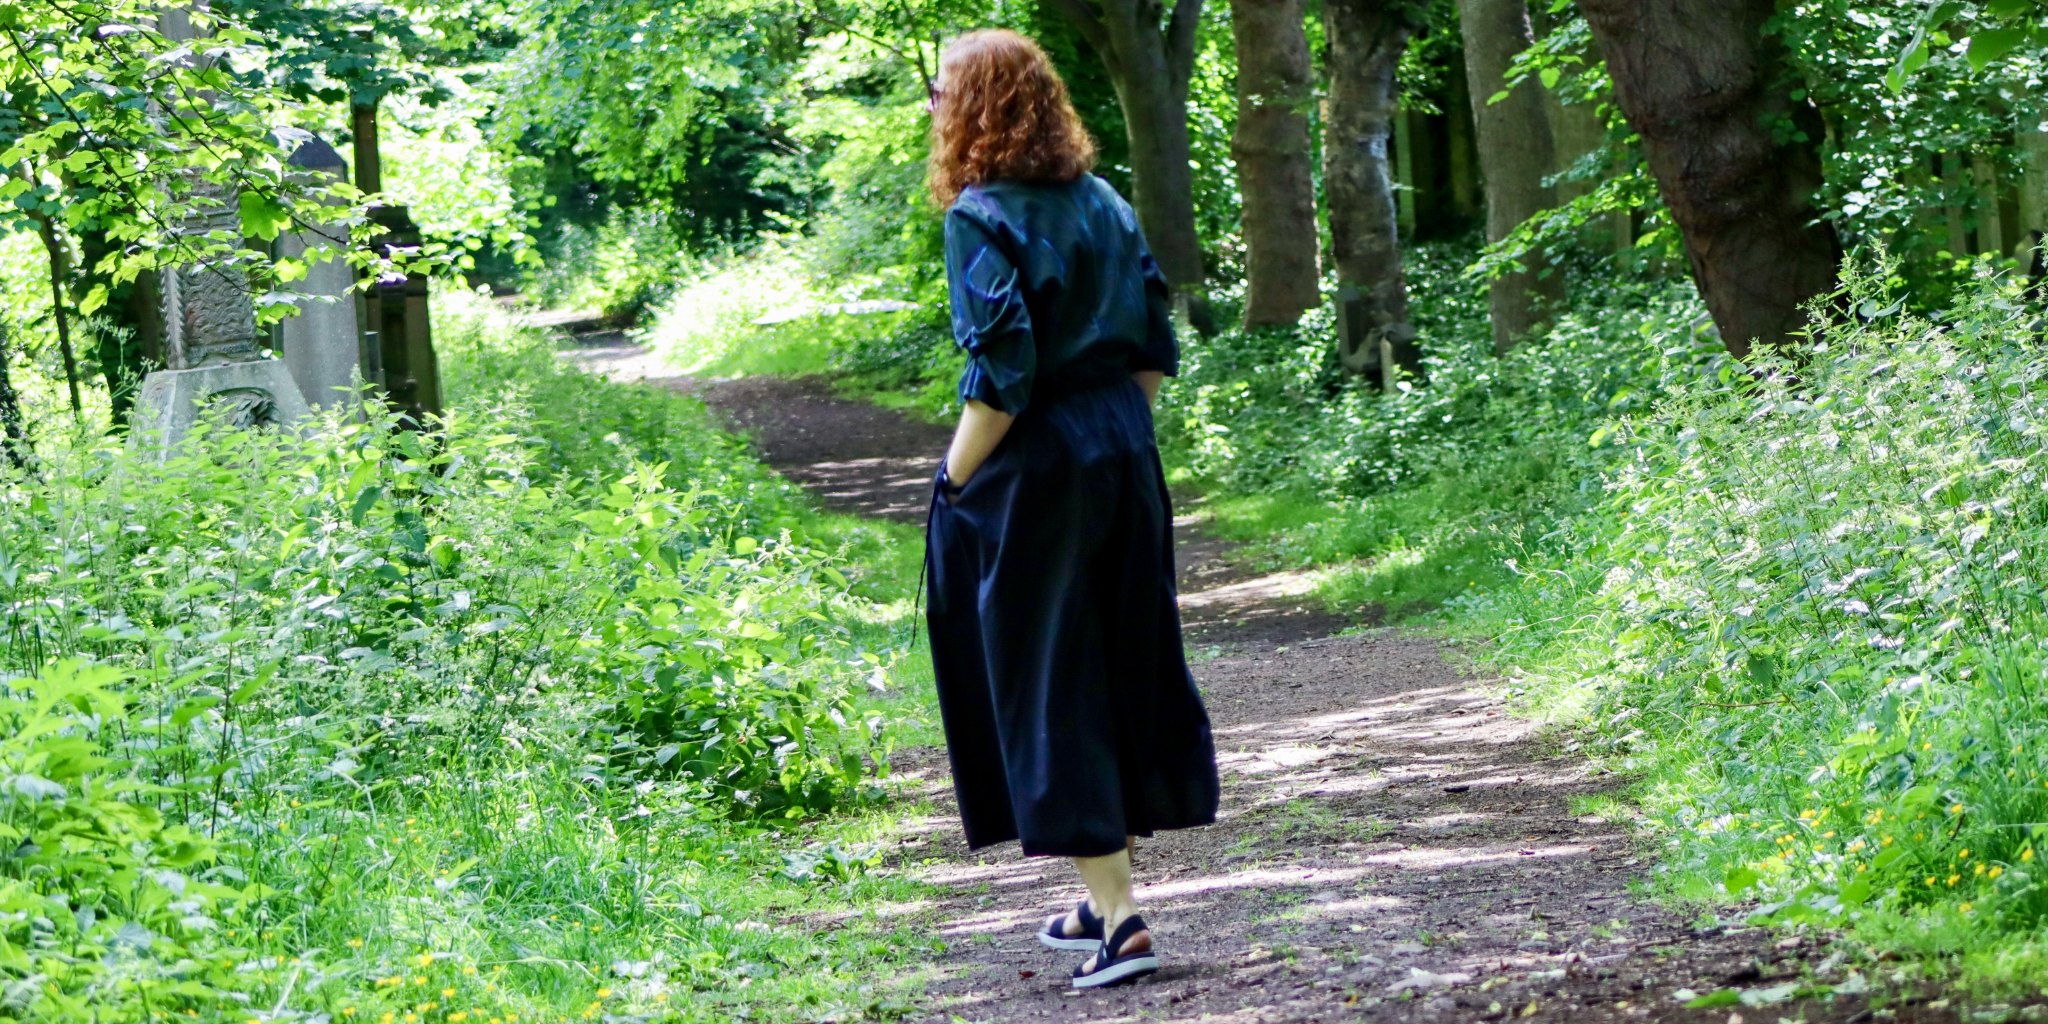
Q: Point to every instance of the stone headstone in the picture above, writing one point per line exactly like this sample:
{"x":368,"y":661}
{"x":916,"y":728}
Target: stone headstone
{"x":214,"y":355}
{"x":323,"y":345}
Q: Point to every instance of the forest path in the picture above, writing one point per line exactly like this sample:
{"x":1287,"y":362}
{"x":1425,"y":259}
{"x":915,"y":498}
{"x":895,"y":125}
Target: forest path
{"x":1393,"y":843}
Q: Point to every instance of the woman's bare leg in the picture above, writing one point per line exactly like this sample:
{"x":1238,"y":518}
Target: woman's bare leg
{"x":1109,"y":894}
{"x":1069,"y":925}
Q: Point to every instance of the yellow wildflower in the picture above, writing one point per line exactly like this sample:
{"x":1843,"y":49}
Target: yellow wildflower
{"x":1996,"y":870}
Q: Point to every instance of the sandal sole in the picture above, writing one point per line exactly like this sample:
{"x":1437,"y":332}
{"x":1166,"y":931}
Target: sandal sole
{"x":1051,"y":941}
{"x":1128,"y":970}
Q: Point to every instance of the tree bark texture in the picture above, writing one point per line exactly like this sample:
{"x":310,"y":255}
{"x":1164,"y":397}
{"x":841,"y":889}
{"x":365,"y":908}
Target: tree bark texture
{"x":1150,"y":66}
{"x":2033,"y":223}
{"x":1515,"y":154}
{"x":60,"y":305}
{"x":1736,"y":159}
{"x":1366,"y":40}
{"x":1461,"y":146}
{"x":14,"y":445}
{"x":1275,"y":86}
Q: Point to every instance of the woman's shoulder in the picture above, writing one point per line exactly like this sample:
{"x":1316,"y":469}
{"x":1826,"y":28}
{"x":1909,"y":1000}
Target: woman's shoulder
{"x":1102,"y":192}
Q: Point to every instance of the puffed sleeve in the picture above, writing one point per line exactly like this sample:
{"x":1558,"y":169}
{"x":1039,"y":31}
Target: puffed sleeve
{"x":990,"y":320}
{"x":1161,"y":351}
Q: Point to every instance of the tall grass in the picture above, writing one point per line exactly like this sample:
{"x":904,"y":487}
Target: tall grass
{"x":531,"y":716}
{"x":1810,"y":615}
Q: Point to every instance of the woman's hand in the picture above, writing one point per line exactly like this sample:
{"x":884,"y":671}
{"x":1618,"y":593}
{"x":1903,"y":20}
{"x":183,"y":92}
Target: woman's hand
{"x":1150,"y":380}
{"x":981,"y":428}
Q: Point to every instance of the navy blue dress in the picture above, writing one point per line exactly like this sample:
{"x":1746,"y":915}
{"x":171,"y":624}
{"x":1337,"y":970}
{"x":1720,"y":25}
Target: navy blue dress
{"x":1071,"y":717}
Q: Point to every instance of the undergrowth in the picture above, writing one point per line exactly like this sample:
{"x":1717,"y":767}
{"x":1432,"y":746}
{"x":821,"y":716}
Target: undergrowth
{"x":536,"y":715}
{"x":1808,"y":616}
{"x":1801,"y":607}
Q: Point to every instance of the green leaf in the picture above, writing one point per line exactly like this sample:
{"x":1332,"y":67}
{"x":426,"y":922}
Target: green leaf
{"x":1550,"y":77}
{"x":1740,"y":879}
{"x":1723,"y":997}
{"x":262,"y":216}
{"x":1912,"y":59}
{"x":190,"y":710}
{"x":363,"y":503}
{"x":93,"y":300}
{"x":1991,"y":44}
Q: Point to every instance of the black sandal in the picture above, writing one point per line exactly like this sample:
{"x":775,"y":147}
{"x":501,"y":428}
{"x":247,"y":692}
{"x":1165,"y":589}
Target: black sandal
{"x":1054,"y":934}
{"x":1114,"y":969}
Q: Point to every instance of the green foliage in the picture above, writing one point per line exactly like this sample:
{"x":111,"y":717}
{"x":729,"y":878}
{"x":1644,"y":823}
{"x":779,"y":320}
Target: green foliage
{"x":1807,"y":616}
{"x":177,"y":154}
{"x":1256,"y":410}
{"x":331,"y":721}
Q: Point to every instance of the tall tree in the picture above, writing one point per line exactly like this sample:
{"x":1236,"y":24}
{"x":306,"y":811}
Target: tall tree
{"x":1515,"y":154}
{"x":2033,"y":142}
{"x":1366,"y":38}
{"x":1274,"y":88}
{"x":1149,"y":52}
{"x":14,"y":446}
{"x":1736,"y":157}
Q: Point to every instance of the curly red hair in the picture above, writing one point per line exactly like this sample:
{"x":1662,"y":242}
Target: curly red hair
{"x":1000,"y":112}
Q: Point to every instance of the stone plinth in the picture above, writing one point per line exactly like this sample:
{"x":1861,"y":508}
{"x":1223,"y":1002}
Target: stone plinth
{"x":255,"y":393}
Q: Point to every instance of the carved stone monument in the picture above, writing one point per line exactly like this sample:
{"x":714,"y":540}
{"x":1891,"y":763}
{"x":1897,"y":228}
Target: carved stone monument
{"x":212,"y":350}
{"x":324,"y":345}
{"x":215,"y":357}
{"x":399,"y":346}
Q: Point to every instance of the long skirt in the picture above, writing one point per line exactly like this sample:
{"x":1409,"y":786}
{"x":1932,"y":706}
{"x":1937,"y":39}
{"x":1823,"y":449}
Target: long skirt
{"x":1071,"y":717}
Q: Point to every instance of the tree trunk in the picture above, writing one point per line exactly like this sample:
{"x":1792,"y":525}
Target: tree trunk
{"x":60,"y":305}
{"x":127,"y":342}
{"x":1515,"y":155}
{"x":13,"y":435}
{"x":2033,"y":141}
{"x":1461,"y":149}
{"x":1404,"y":172}
{"x":1150,"y":66}
{"x":1989,"y":227}
{"x":1700,"y":81}
{"x":1952,"y":210}
{"x":1366,"y":40}
{"x":1274,"y":88}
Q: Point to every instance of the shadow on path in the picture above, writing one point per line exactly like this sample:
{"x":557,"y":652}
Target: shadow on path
{"x":1394,"y":844}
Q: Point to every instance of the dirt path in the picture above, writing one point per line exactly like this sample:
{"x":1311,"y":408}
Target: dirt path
{"x":1394,"y":845}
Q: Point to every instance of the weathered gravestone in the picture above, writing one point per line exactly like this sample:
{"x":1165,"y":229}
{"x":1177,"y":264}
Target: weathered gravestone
{"x":324,"y":345}
{"x":398,"y":351}
{"x":214,"y":355}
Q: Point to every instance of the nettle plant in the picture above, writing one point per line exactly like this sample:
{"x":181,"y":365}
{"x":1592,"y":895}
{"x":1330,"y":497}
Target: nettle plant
{"x":108,"y":906}
{"x":267,"y":630}
{"x":1826,"y":594}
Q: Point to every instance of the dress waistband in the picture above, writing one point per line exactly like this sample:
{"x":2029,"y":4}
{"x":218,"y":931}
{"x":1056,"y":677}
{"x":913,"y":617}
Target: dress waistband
{"x":1069,"y":386}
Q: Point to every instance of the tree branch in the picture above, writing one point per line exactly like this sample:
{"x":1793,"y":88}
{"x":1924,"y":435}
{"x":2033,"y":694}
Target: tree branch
{"x":1180,"y":42}
{"x":1087,"y":18}
{"x":914,"y":59}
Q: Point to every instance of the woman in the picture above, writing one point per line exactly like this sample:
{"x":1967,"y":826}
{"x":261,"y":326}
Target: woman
{"x":1071,"y":718}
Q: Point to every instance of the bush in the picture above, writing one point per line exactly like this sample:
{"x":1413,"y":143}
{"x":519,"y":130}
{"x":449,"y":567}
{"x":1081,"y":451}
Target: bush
{"x":1809,"y":613}
{"x":223,"y":673}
